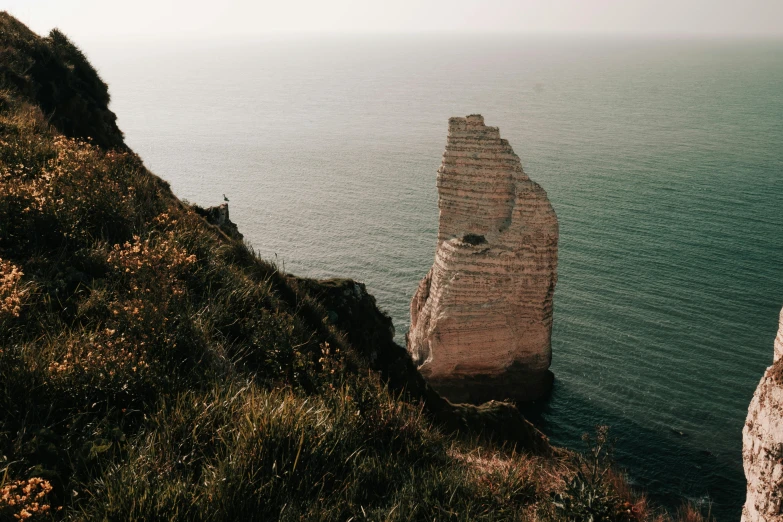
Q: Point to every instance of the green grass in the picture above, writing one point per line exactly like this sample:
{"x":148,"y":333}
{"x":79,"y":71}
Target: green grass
{"x":153,"y":368}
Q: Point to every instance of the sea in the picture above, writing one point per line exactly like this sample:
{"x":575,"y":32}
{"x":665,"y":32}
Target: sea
{"x":663,"y":158}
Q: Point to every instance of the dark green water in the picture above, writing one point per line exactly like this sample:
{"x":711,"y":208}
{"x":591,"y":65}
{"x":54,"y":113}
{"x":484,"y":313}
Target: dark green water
{"x":663,"y":160}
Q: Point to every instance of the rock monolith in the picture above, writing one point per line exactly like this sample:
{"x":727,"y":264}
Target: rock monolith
{"x":481,"y":319}
{"x":762,"y":444}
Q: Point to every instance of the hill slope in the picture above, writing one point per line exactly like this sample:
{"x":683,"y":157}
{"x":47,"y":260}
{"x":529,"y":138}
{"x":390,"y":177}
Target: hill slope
{"x":153,"y":368}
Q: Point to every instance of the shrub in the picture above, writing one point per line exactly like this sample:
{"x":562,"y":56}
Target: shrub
{"x":590,"y":495}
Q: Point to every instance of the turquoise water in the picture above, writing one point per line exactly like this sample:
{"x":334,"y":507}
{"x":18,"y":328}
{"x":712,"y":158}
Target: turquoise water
{"x":663,"y":160}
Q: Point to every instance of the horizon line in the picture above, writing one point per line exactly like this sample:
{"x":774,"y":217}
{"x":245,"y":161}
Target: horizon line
{"x":627,"y":35}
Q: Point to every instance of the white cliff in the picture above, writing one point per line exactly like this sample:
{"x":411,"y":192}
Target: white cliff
{"x":481,"y":319}
{"x":762,"y":444}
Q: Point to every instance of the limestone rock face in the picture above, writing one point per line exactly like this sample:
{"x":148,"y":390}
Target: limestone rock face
{"x":762,"y":444}
{"x":481,"y":319}
{"x":779,"y":340}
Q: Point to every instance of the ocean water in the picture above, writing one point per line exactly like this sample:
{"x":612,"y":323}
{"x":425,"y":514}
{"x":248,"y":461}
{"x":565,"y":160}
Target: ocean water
{"x":663,"y":160}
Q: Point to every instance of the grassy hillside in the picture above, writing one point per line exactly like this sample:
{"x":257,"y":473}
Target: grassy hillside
{"x":154,"y":368}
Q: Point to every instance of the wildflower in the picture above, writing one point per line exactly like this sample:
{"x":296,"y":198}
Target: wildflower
{"x":11,"y":295}
{"x":25,"y":497}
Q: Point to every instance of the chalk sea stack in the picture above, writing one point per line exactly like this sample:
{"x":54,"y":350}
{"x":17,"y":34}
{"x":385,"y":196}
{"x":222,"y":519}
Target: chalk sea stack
{"x":481,"y":319}
{"x":762,"y":444}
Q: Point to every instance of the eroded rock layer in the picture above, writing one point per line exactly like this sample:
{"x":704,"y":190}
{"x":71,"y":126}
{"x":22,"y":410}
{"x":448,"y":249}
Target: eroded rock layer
{"x":762,"y":444}
{"x":481,"y":319}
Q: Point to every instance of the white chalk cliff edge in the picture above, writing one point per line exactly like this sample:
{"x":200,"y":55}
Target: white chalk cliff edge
{"x":762,"y":444}
{"x":481,"y":319}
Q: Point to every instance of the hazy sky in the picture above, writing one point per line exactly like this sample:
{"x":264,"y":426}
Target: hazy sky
{"x":90,"y":20}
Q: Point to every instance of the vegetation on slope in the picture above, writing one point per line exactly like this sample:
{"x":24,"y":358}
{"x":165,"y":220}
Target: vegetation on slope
{"x":53,"y":74}
{"x":153,"y":368}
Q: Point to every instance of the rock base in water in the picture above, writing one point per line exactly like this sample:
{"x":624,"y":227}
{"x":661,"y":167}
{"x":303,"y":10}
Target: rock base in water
{"x":516,"y":386}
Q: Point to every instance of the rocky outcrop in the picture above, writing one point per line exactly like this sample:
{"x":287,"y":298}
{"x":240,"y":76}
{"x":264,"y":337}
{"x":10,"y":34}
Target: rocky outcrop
{"x":762,"y":444}
{"x":218,"y":216}
{"x":370,"y":333}
{"x":481,"y":319}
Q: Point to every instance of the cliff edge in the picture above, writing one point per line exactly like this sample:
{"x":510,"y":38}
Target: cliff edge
{"x":762,"y":444}
{"x":53,"y":74}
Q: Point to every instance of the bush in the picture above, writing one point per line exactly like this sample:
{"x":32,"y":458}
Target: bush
{"x":590,"y":495}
